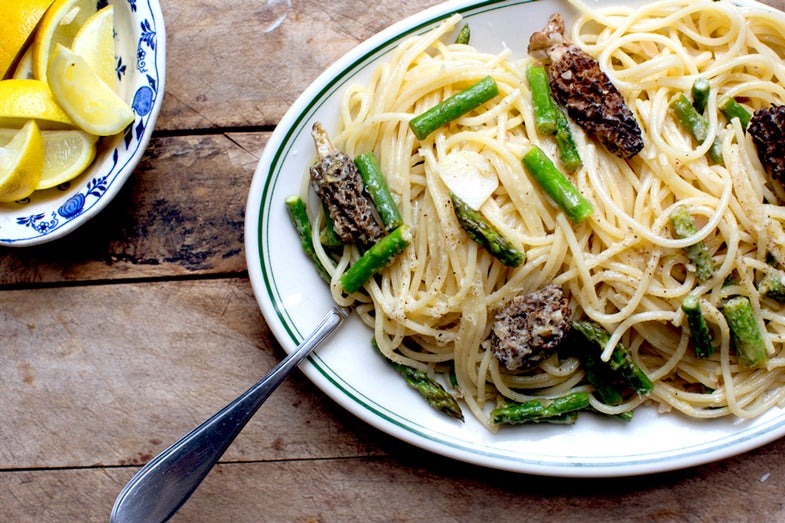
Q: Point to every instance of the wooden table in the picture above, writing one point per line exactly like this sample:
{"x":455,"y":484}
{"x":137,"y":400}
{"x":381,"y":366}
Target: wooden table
{"x":121,"y":338}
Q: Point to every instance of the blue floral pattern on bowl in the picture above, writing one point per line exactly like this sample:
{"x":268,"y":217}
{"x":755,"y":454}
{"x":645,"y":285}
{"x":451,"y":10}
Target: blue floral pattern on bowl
{"x":140,"y":67}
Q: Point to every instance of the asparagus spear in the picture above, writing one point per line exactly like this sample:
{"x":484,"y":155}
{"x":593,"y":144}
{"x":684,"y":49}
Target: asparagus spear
{"x":436,"y":396}
{"x":464,"y":35}
{"x":745,"y":332}
{"x":376,"y":258}
{"x":568,"y":418}
{"x":538,"y":410}
{"x":620,"y":372}
{"x":733,"y":109}
{"x":696,"y":124}
{"x":773,"y":286}
{"x":684,"y":226}
{"x":550,"y":119}
{"x":556,"y":185}
{"x":568,"y":152}
{"x":328,"y":237}
{"x":699,"y":331}
{"x":453,"y":378}
{"x":544,"y":107}
{"x":607,"y":386}
{"x":299,"y":217}
{"x":453,"y":107}
{"x":689,"y":117}
{"x":481,"y":232}
{"x":700,"y":94}
{"x":376,"y":186}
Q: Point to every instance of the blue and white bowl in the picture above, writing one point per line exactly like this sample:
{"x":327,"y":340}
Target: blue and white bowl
{"x":140,"y":63}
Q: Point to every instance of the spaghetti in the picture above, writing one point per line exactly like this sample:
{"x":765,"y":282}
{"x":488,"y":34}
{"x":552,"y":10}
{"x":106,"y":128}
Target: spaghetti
{"x":622,"y":267}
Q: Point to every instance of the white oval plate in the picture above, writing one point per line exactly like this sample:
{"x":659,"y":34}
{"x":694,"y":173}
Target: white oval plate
{"x":293,"y":298}
{"x":140,"y":63}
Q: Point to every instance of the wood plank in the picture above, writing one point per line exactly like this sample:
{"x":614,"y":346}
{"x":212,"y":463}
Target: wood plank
{"x":98,"y":378}
{"x":181,"y":212}
{"x":279,"y":47}
{"x":412,"y":485}
{"x":237,"y":63}
{"x":68,"y":408}
{"x":112,"y":374}
{"x":416,"y":486}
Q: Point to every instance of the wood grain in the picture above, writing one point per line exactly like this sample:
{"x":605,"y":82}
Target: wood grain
{"x":97,"y":395}
{"x":121,"y":337}
{"x":413,"y":485}
{"x":181,"y":213}
{"x":243,"y":63}
{"x":112,"y":374}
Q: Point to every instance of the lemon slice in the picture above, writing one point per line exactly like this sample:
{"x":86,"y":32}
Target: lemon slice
{"x":22,"y":100}
{"x":66,"y":154}
{"x":95,"y":43}
{"x":21,"y":163}
{"x":91,"y":104}
{"x":17,"y":22}
{"x":59,"y":25}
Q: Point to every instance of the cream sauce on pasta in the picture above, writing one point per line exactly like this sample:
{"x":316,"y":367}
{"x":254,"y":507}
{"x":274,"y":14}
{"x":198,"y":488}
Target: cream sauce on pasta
{"x":623,"y":267}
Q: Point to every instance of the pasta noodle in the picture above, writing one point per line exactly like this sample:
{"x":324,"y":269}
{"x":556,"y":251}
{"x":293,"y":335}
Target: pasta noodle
{"x":623,"y":267}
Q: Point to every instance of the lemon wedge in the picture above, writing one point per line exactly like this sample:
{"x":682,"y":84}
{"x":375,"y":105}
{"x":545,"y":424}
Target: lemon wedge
{"x":59,"y":25}
{"x":18,"y":20}
{"x":22,"y":100}
{"x":95,"y":43}
{"x":21,"y":163}
{"x":66,"y":154}
{"x":91,"y":104}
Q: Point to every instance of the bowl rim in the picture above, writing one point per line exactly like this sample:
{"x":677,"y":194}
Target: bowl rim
{"x":123,"y":163}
